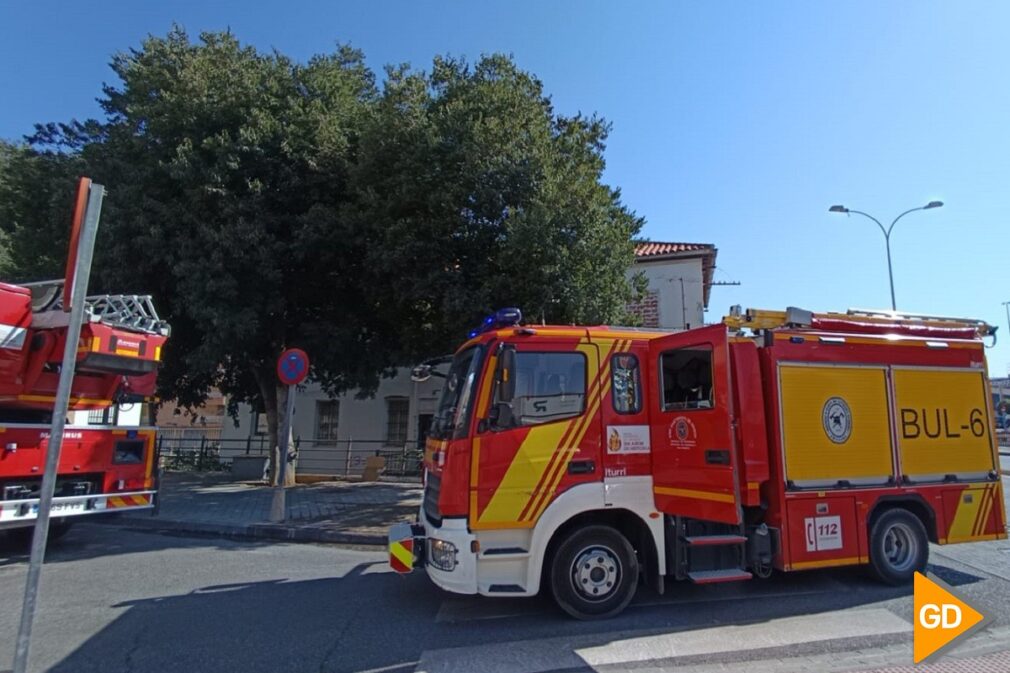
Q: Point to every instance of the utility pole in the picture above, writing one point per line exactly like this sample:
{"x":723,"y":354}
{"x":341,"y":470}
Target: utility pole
{"x":75,"y":289}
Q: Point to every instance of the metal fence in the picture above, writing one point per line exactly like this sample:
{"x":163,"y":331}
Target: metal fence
{"x":324,"y":457}
{"x":313,"y":456}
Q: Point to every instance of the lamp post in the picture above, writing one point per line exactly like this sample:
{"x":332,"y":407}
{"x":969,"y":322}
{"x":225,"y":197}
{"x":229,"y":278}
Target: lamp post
{"x":887,"y":234}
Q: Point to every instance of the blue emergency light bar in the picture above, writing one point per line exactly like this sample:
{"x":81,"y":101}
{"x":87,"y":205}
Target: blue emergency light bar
{"x":503,"y":317}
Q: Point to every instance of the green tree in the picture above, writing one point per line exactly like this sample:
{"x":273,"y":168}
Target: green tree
{"x":227,"y":172}
{"x":267,"y":204}
{"x":36,"y":202}
{"x":477,"y":195}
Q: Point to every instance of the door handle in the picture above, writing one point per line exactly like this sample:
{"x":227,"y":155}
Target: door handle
{"x":581,"y":467}
{"x":717,"y":456}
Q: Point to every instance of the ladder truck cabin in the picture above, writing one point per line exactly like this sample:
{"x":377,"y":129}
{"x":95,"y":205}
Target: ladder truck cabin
{"x":101,"y":469}
{"x":582,"y":460}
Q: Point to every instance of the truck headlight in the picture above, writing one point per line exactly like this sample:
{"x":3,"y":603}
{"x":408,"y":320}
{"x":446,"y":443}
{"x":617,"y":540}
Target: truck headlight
{"x":442,"y":554}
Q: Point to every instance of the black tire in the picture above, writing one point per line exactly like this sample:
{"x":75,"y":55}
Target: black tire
{"x":594,"y":573}
{"x":58,"y":529}
{"x":22,"y":537}
{"x":899,"y":547}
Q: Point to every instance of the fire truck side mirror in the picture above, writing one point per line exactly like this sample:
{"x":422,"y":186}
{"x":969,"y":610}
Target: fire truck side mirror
{"x":506,"y":376}
{"x":420,"y":373}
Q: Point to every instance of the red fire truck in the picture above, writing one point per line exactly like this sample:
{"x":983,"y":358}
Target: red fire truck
{"x":101,"y":469}
{"x":583,"y":459}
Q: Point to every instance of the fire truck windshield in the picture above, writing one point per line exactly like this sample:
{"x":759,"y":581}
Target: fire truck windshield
{"x":453,"y":414}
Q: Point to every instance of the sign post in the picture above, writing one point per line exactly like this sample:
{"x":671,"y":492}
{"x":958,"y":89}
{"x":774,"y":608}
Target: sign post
{"x":292,"y":368}
{"x":82,"y":247}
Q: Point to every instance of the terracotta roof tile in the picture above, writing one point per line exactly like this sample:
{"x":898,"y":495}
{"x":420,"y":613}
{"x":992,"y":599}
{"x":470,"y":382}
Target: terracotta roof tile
{"x":647,"y":251}
{"x":655,"y":248}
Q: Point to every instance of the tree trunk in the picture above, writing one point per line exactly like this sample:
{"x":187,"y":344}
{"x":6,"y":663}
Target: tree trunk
{"x":266,"y":381}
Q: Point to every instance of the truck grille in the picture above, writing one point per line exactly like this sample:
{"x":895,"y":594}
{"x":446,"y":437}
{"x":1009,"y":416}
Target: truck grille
{"x":432,"y":486}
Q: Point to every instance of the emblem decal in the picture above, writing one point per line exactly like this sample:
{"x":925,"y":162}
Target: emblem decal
{"x":681,"y":433}
{"x":837,"y":420}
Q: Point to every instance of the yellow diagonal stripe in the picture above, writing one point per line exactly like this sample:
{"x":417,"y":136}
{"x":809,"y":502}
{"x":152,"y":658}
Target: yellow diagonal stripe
{"x":963,"y":526}
{"x":524,"y":473}
{"x":402,"y":554}
{"x":592,"y":408}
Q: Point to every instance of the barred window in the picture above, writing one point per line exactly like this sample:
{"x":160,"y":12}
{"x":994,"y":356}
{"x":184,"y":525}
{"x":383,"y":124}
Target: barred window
{"x":327,"y":419}
{"x":397,"y":413}
{"x":107,"y":416}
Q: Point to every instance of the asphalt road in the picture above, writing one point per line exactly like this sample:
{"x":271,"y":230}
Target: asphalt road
{"x":115,"y":600}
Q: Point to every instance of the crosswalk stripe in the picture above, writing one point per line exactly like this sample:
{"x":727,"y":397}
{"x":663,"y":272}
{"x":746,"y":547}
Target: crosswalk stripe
{"x":547,"y":654}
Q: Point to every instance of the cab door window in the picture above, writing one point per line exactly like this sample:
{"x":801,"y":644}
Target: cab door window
{"x":687,"y":378}
{"x":549,"y":386}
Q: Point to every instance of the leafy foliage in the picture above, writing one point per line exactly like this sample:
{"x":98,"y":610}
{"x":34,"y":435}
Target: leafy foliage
{"x":476,"y":195}
{"x":36,"y":202}
{"x":267,"y":203}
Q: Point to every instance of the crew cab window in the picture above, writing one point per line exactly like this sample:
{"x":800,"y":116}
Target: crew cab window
{"x":687,"y":378}
{"x":550,"y":386}
{"x":625,"y":383}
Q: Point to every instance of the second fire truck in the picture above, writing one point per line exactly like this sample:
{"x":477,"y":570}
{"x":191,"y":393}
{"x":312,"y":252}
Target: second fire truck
{"x":101,"y":469}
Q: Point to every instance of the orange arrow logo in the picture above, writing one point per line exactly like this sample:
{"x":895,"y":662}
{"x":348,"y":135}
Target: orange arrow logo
{"x":940,"y":617}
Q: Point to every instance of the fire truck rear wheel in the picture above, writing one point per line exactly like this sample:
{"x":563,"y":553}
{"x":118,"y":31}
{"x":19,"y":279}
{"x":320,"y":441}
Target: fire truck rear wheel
{"x":898,"y":547}
{"x":58,"y":529}
{"x":594,"y":573}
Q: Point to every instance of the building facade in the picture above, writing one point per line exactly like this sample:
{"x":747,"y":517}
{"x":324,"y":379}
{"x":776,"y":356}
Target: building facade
{"x":335,"y":435}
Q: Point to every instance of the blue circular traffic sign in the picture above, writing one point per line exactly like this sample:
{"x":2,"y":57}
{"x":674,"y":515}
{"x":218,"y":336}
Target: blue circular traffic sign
{"x":293,"y":366}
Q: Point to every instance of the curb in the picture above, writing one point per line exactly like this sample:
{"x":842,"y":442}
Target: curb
{"x":256,"y":531}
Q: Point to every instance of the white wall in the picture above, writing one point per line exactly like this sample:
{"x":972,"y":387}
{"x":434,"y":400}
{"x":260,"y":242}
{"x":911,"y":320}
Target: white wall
{"x":130,"y":415}
{"x":361,"y":424}
{"x":671,"y":277}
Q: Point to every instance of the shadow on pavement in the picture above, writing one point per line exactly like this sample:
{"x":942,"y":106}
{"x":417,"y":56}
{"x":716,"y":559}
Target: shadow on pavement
{"x":90,"y":540}
{"x":371,"y":619}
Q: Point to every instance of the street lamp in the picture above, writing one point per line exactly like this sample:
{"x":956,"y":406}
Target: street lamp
{"x":887,"y":233}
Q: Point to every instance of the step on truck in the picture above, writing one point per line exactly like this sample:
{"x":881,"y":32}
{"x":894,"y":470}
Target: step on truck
{"x":583,"y":460}
{"x":101,"y":469}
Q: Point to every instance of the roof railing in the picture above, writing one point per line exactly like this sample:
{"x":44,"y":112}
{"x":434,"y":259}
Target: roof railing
{"x":757,"y":319}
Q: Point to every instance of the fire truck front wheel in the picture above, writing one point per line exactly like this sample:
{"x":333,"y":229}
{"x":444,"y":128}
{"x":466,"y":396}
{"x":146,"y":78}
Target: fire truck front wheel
{"x":898,"y":547}
{"x":594,"y":573}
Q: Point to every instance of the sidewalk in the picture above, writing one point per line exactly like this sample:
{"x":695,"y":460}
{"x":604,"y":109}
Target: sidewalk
{"x":337,"y":511}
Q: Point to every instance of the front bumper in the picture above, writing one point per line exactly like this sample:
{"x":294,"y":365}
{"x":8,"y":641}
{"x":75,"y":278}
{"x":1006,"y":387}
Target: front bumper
{"x":23,"y":513}
{"x":455,"y":570}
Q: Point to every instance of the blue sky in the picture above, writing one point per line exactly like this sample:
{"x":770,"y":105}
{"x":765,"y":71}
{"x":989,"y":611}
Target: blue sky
{"x":734,"y":123}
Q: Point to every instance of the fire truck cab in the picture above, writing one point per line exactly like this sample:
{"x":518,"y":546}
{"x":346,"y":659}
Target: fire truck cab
{"x":585,"y":459}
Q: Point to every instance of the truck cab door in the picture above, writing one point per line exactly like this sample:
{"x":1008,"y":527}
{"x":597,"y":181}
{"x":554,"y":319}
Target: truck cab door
{"x":541,"y":432}
{"x":691,"y":425}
